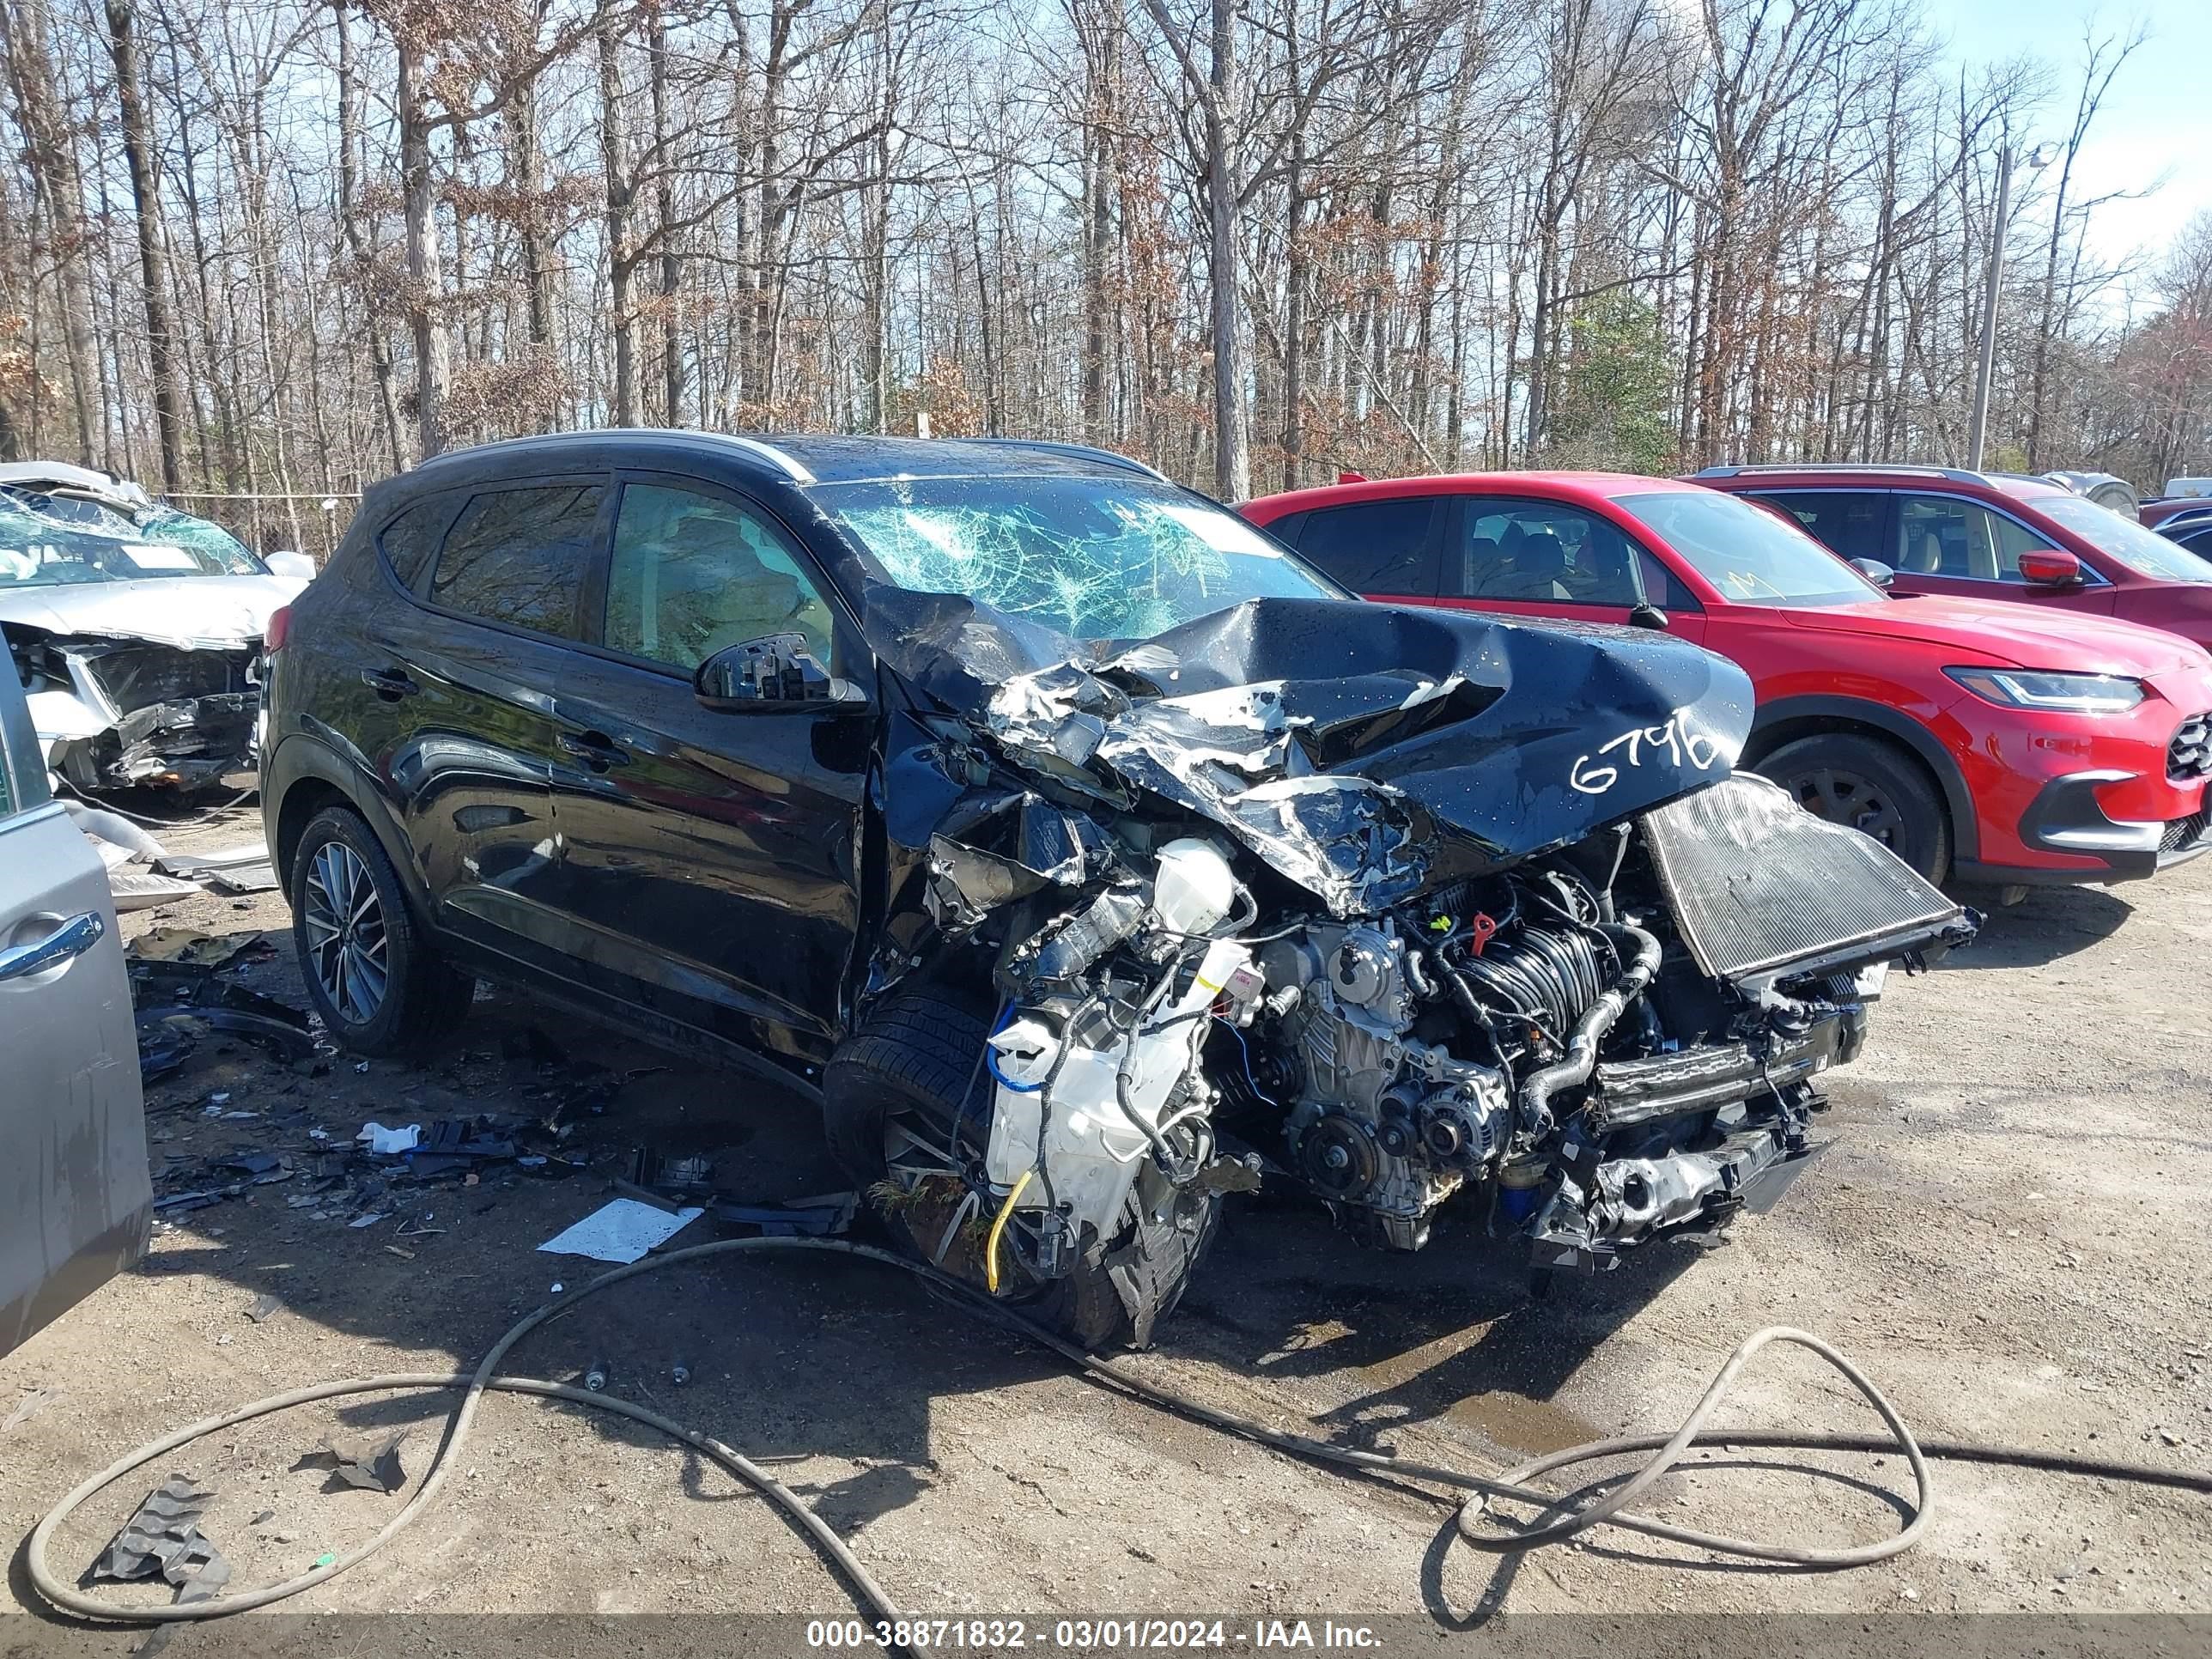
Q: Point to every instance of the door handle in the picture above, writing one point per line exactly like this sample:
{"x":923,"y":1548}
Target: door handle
{"x":595,"y":749}
{"x":72,"y":938}
{"x":389,"y":683}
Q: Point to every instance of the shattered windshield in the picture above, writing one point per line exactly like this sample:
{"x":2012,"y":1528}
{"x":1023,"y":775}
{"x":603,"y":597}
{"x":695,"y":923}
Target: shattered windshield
{"x":57,"y":540}
{"x":1092,"y":558}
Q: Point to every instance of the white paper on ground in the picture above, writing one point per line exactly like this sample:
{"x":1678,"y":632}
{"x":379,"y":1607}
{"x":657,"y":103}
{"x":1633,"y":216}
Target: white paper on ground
{"x":621,"y":1230}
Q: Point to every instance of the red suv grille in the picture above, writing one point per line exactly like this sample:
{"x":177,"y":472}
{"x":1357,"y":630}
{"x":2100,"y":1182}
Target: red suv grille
{"x":2190,"y":755}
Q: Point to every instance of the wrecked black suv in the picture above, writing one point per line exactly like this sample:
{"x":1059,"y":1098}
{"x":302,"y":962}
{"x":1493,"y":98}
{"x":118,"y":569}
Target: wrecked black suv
{"x":1086,"y":855}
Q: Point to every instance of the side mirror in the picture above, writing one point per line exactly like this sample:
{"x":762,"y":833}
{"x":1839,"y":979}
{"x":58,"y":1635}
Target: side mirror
{"x":773,"y":675}
{"x":2048,"y":567}
{"x":1874,"y":571}
{"x":297,"y":566}
{"x":1647,"y":615}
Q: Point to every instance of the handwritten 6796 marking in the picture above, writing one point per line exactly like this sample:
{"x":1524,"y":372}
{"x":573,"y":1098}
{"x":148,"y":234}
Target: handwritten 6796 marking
{"x":1681,"y":745}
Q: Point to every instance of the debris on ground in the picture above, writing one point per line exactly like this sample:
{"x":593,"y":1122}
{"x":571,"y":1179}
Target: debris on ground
{"x":164,"y":1538}
{"x":622,"y":1230}
{"x":822,"y":1217}
{"x":235,"y":870}
{"x":188,"y":947}
{"x":388,"y":1143}
{"x":179,"y":1004}
{"x":359,"y":1462}
{"x":29,"y":1406}
{"x":264,"y":1307}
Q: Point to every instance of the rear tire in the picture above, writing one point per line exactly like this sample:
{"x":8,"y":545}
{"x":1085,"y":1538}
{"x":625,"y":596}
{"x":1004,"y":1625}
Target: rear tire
{"x":1871,"y":785}
{"x":378,"y":983}
{"x":892,"y":1097}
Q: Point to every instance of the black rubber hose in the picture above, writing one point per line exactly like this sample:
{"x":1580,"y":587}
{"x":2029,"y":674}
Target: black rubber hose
{"x":1610,"y":1510}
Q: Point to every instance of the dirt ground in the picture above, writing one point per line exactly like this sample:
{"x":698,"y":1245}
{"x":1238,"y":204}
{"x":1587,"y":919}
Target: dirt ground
{"x":2007,"y":1232}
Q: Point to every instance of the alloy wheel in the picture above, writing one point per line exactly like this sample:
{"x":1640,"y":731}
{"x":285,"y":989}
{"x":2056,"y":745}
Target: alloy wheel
{"x":346,"y":936}
{"x":1849,"y":799}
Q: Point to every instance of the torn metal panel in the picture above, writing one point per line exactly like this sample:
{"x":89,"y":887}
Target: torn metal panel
{"x":1362,"y":751}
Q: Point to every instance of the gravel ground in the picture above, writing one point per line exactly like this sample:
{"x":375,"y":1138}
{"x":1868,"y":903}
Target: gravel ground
{"x":2006,"y":1232}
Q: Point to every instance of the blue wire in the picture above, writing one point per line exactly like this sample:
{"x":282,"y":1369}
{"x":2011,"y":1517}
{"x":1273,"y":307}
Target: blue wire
{"x":1246,"y":1048}
{"x":991,"y":1059}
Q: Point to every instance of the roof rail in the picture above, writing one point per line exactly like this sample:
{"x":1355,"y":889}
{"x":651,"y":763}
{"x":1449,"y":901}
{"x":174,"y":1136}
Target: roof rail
{"x":1080,"y":452}
{"x":1952,"y":474}
{"x":768,"y":452}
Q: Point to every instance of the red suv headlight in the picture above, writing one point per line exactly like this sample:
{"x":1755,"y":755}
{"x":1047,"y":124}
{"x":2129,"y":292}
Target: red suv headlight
{"x":2056,"y":694}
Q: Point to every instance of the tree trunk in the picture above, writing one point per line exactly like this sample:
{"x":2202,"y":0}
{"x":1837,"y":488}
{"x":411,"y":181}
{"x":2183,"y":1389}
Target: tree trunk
{"x":153,"y":258}
{"x":614,"y":155}
{"x":674,"y":380}
{"x":425,"y":259}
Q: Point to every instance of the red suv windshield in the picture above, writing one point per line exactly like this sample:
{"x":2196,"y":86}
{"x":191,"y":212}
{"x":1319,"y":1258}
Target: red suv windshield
{"x":2143,"y":551}
{"x":1750,"y":555}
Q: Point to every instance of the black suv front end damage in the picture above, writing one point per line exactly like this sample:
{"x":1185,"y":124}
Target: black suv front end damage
{"x":1403,"y":907}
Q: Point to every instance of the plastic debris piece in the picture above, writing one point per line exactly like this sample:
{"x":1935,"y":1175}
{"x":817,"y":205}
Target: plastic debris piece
{"x":264,"y":1306}
{"x":29,"y":1406}
{"x":189,"y":946}
{"x":163,"y":1538}
{"x":368,"y":1220}
{"x":389,"y":1143}
{"x":816,"y":1218}
{"x":621,"y":1230}
{"x":364,"y":1462}
{"x":179,"y":1202}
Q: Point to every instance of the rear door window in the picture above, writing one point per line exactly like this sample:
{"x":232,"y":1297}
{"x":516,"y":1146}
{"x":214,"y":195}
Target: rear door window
{"x":520,"y":557}
{"x":1543,"y":552}
{"x":1377,"y":547}
{"x":1950,"y":535}
{"x":1849,"y":522}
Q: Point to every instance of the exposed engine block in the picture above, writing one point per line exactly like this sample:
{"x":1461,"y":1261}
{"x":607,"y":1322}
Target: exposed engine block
{"x":1383,"y":1120}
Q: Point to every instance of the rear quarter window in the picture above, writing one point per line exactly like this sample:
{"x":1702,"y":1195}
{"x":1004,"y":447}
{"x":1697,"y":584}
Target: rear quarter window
{"x":410,"y":542}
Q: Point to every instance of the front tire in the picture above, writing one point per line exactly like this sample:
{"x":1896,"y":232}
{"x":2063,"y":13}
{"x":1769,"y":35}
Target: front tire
{"x":1872,"y":786}
{"x":893,"y":1097}
{"x":377,"y":983}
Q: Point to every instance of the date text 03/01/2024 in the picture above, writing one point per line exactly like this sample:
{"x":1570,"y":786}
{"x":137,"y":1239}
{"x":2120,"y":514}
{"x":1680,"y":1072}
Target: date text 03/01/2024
{"x":1087,"y":1635}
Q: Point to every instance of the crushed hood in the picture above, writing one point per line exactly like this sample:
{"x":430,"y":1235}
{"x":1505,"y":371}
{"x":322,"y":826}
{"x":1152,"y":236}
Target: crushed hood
{"x":185,"y":612}
{"x":1364,"y":751}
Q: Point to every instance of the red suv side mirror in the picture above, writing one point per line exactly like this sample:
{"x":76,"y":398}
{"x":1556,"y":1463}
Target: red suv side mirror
{"x":2048,"y":567}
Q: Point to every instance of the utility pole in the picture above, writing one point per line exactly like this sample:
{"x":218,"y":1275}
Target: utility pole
{"x":2040,"y":156}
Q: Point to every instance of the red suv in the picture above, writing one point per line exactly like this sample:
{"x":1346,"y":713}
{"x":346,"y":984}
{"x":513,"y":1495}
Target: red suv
{"x":1976,"y":536}
{"x":1983,"y":742}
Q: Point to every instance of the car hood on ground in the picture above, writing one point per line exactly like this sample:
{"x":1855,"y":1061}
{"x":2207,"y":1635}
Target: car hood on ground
{"x":1364,"y":751}
{"x":2017,"y":634}
{"x":187,"y":611}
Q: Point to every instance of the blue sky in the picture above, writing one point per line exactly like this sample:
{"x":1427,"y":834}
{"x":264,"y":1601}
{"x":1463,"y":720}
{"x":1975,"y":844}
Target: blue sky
{"x":2156,"y":122}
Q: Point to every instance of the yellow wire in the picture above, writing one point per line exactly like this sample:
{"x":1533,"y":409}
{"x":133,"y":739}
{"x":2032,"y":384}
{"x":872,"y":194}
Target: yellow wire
{"x":998,"y":1228}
